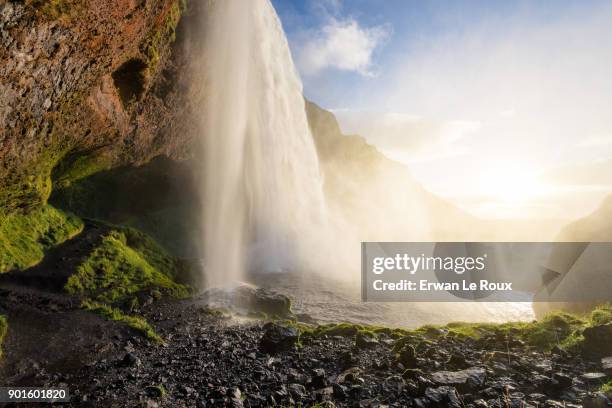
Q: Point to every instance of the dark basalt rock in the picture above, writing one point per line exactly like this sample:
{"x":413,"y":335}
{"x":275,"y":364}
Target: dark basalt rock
{"x":443,"y":397}
{"x":465,"y":380}
{"x":365,"y":340}
{"x":563,"y":380}
{"x":278,"y":338}
{"x":407,"y":356}
{"x":597,"y":342}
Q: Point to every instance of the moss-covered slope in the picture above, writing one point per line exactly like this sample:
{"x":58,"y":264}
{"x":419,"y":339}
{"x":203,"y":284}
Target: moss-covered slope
{"x":25,"y":237}
{"x":124,"y":269}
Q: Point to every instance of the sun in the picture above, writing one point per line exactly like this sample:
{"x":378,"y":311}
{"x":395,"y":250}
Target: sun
{"x":511,"y":183}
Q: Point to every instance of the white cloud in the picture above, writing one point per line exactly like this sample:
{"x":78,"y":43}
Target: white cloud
{"x":343,"y":45}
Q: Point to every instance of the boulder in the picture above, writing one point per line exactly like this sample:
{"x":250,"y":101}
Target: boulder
{"x":597,"y":342}
{"x":407,"y":356}
{"x":260,"y":300}
{"x":606,"y":365}
{"x":365,"y":340}
{"x":467,"y":380}
{"x":443,"y":397}
{"x":277,"y":338}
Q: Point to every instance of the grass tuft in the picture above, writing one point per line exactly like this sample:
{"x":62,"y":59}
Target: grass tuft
{"x":113,"y":314}
{"x":25,"y":237}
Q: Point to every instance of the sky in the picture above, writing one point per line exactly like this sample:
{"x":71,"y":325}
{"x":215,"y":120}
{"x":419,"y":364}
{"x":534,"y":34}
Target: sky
{"x":502,"y":107}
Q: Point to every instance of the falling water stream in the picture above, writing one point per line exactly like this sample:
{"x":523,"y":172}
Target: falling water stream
{"x":262,"y":198}
{"x":261,"y":184}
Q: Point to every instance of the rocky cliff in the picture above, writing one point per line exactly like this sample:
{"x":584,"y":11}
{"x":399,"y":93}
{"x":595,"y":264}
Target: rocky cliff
{"x":84,"y":86}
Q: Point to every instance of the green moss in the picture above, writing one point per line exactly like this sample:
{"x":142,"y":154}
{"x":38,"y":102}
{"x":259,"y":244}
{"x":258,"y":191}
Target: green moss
{"x":25,"y":237}
{"x":156,"y":391}
{"x":80,"y":165}
{"x":601,"y":314}
{"x":113,"y":314}
{"x":153,"y":44}
{"x":54,"y":9}
{"x":126,"y":264}
{"x":3,"y":330}
{"x":556,"y":329}
{"x":607,"y":388}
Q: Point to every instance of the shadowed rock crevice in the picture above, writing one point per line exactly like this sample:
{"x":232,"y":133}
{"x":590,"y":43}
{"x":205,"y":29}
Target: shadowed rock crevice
{"x":129,"y":79}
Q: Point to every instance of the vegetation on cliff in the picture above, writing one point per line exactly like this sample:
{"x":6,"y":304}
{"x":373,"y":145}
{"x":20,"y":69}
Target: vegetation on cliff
{"x":73,"y":110}
{"x":25,"y":237}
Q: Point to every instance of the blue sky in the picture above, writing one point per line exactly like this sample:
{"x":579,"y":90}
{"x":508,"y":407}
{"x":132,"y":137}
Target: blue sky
{"x":407,"y":25}
{"x":477,"y":98}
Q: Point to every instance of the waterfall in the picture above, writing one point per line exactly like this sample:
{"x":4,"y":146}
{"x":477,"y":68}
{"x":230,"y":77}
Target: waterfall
{"x":261,"y":187}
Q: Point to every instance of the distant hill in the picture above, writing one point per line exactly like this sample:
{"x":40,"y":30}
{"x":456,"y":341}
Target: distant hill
{"x":596,"y":227}
{"x":382,"y":201}
{"x":587,"y":269}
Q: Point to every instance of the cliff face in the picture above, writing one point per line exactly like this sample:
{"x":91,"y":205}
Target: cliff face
{"x":378,"y":194}
{"x":84,"y":86}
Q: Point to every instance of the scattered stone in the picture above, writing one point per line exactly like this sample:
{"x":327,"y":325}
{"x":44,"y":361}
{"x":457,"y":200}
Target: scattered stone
{"x":130,"y":360}
{"x":597,"y":400}
{"x":443,"y":397}
{"x":297,"y":391}
{"x":597,"y":342}
{"x":563,"y":380}
{"x":278,"y":338}
{"x":318,"y":378}
{"x":465,"y":380}
{"x":348,"y":375}
{"x":365,"y":340}
{"x":407,"y":356}
{"x":457,"y":361}
{"x":594,"y":378}
{"x":606,"y":365}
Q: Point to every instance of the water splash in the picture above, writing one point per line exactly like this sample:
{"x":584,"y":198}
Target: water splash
{"x":261,"y":186}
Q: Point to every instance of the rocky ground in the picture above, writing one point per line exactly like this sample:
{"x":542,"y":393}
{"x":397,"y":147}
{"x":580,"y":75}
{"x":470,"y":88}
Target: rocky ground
{"x":210,"y":359}
{"x":213,"y":358}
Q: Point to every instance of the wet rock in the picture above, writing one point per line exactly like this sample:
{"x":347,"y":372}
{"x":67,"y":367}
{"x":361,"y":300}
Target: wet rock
{"x":597,"y":400}
{"x":480,"y":403}
{"x":407,"y":356}
{"x":365,"y":340}
{"x":563,"y":380}
{"x":593,"y":378}
{"x":271,"y":303}
{"x":297,"y":391}
{"x":348,"y":375}
{"x":457,"y":361}
{"x":130,"y":360}
{"x":155,"y":391}
{"x":412,"y":373}
{"x":443,"y":397}
{"x":597,"y":342}
{"x":348,"y":359}
{"x":465,"y":380}
{"x":278,"y":338}
{"x":318,"y":378}
{"x":606,"y":365}
{"x":339,"y":391}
